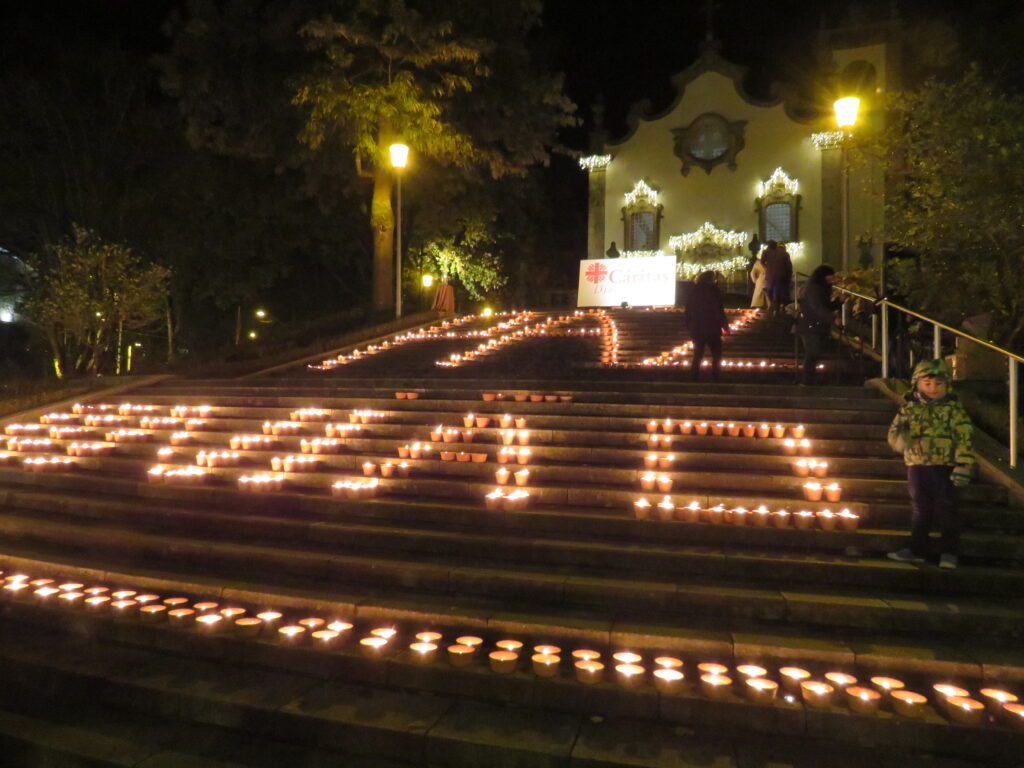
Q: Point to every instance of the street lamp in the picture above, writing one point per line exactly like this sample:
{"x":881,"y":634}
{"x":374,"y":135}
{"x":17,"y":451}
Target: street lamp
{"x":846,"y":117}
{"x":399,"y":158}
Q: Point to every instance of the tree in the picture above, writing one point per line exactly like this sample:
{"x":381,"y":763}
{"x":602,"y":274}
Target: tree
{"x":469,"y":257}
{"x":952,"y":154}
{"x":87,"y":294}
{"x":391,"y":73}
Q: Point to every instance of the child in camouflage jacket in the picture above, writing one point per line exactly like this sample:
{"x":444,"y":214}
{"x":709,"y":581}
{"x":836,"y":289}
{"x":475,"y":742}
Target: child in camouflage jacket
{"x":933,"y":431}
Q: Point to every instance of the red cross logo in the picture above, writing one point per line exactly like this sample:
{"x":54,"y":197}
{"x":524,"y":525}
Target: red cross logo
{"x":596,"y":273}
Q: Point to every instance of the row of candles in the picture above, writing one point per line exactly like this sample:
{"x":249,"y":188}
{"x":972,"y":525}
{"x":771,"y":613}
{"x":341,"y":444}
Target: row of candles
{"x":762,"y":517}
{"x":670,"y":426}
{"x":512,"y":334}
{"x":522,"y":397}
{"x":445,"y":330}
{"x":630,"y":670}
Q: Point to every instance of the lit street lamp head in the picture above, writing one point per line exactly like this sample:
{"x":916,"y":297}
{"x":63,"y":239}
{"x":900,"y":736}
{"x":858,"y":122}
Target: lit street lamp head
{"x":846,"y":111}
{"x":399,"y":155}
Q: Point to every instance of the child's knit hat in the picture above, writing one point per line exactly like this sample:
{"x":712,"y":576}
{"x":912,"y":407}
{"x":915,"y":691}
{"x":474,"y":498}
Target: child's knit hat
{"x":936,"y":368}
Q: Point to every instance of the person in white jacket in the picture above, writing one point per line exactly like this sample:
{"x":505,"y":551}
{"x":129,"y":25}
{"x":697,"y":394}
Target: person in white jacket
{"x":757,"y":274}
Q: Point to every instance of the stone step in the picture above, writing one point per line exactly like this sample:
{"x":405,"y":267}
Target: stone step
{"x":992,"y":661}
{"x":564,"y":587}
{"x":386,"y":711}
{"x":588,"y":546}
{"x":876,"y":534}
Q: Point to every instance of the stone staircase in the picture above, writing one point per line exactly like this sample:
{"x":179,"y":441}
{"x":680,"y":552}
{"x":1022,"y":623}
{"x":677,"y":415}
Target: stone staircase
{"x":579,"y":567}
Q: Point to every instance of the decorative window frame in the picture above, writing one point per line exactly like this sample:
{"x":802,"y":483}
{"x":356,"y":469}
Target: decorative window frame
{"x":735,"y":131}
{"x":643,"y":198}
{"x":778,"y":188}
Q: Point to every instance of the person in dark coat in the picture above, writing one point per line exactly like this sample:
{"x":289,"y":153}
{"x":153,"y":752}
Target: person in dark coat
{"x":705,"y":317}
{"x":778,"y":268}
{"x":816,"y":314}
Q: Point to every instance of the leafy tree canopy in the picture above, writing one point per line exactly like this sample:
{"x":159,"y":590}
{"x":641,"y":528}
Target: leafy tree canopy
{"x":952,"y":151}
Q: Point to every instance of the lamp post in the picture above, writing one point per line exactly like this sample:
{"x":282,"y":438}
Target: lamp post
{"x":846,"y":117}
{"x":428,"y":280}
{"x":399,"y":158}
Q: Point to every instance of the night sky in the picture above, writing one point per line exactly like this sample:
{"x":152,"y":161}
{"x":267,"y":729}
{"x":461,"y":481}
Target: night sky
{"x":625,"y":51}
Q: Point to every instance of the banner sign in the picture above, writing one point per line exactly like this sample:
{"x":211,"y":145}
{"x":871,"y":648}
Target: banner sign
{"x":642,"y":282}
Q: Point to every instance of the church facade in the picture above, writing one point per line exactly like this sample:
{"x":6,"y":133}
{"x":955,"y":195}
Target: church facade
{"x":720,"y":172}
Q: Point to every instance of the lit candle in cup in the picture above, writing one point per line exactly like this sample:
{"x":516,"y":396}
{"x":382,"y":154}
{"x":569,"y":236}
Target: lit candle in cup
{"x":509,"y":645}
{"x":715,"y":686}
{"x":668,"y":680}
{"x":373,"y":647}
{"x":423,"y":652}
{"x":864,"y":701}
{"x":792,"y":677}
{"x":749,"y":671}
{"x":966,"y":711}
{"x":668,"y":662}
{"x":711,"y":668}
{"x":908,"y":703}
{"x":995,"y":698}
{"x":629,"y":675}
{"x":247,"y":626}
{"x":589,"y":671}
{"x":627,"y":657}
{"x":1013,"y":715}
{"x":503,"y":662}
{"x":545,"y":665}
{"x":290,"y":633}
{"x":428,"y":637}
{"x":761,"y":690}
{"x":816,"y":694}
{"x":840,"y":680}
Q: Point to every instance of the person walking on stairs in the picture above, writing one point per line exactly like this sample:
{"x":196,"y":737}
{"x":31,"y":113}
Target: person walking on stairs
{"x":816,"y":313}
{"x":934,"y":433}
{"x":705,"y":317}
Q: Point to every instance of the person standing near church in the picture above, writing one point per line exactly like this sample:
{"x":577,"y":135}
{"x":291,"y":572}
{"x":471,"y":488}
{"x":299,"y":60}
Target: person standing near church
{"x":705,"y":317}
{"x":815,"y":317}
{"x":612,"y":252}
{"x":759,"y":299}
{"x":778,"y":273}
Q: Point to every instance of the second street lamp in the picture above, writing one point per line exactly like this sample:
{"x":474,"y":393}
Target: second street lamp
{"x":399,"y":158}
{"x":846,"y":117}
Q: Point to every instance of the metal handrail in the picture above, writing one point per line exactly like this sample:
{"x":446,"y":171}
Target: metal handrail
{"x":1012,"y":359}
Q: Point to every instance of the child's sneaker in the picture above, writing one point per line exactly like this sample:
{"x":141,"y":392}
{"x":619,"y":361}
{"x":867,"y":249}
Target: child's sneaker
{"x":906,"y":556}
{"x":948,"y":561}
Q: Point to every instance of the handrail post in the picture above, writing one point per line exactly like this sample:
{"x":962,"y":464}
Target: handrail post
{"x":885,"y":339}
{"x":874,"y":331}
{"x":843,"y":313}
{"x":1014,"y":410}
{"x":936,"y":341}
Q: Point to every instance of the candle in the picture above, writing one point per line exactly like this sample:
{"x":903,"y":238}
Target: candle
{"x":204,"y":607}
{"x":833,"y":492}
{"x":522,"y":477}
{"x":966,"y":711}
{"x":248,"y":626}
{"x":715,"y":686}
{"x":840,"y":680}
{"x":545,"y":665}
{"x":887,"y":685}
{"x":713,"y":669}
{"x":792,"y":677}
{"x":428,"y":637}
{"x":209,"y":622}
{"x":460,"y":655}
{"x":801,"y":467}
{"x":817,"y":695}
{"x":72,"y":598}
{"x":779,"y":431}
{"x":503,"y":662}
{"x":627,"y":657}
{"x":373,"y":647}
{"x":268,"y":617}
{"x":147,"y":612}
{"x":798,"y":431}
{"x":908,"y":703}
{"x":423,"y":652}
{"x":995,"y":698}
{"x":668,"y":662}
{"x":629,"y":675}
{"x":1013,"y":715}
{"x":589,"y":671}
{"x":848,"y":521}
{"x":180,"y":615}
{"x":864,"y":701}
{"x":668,"y":680}
{"x":666,"y":461}
{"x":761,"y":691}
{"x":750,"y":671}
{"x":123,"y":607}
{"x":290,"y":633}
{"x":509,"y":645}
{"x":550,"y":650}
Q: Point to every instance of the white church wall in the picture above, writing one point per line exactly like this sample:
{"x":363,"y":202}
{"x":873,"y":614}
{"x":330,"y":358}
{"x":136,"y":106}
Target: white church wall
{"x":724,"y":197}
